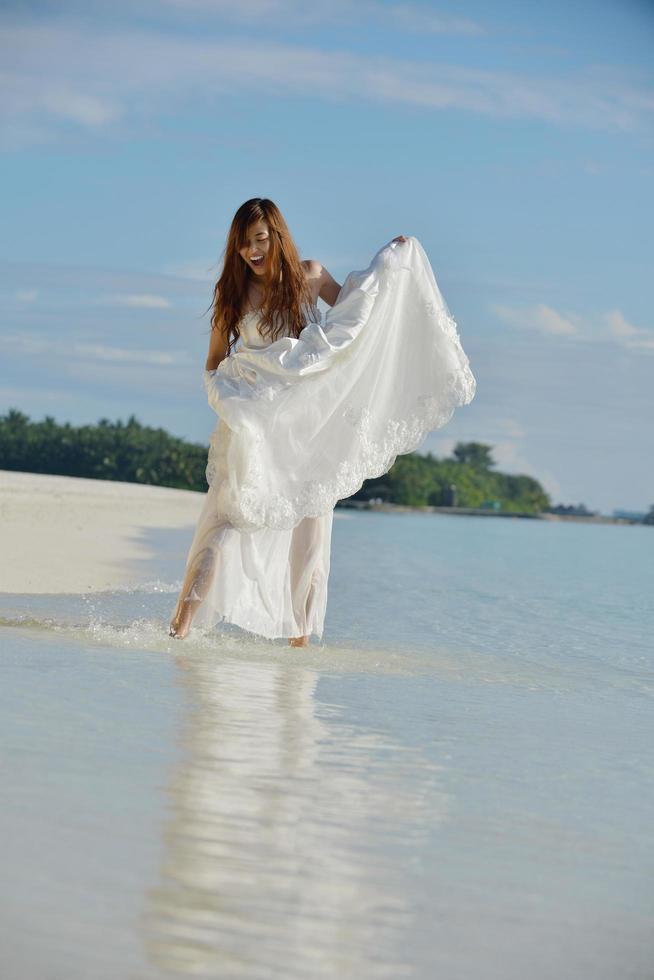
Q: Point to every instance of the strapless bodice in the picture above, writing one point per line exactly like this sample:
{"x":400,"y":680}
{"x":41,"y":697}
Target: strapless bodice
{"x":250,"y":334}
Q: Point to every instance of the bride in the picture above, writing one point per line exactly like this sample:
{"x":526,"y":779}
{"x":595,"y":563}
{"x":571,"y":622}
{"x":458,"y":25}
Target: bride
{"x":307,"y":411}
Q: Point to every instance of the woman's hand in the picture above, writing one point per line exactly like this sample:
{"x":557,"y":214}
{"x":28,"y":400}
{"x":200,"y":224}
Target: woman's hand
{"x":401,"y":238}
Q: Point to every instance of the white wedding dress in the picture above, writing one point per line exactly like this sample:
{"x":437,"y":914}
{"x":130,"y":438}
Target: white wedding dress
{"x":302,"y":423}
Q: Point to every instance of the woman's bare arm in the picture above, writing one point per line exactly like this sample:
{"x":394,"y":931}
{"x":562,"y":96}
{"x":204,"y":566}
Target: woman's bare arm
{"x":327,"y":287}
{"x":217,"y":350}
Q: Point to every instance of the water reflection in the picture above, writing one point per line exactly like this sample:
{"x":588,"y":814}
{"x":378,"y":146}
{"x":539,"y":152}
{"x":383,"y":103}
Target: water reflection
{"x":294,"y":837}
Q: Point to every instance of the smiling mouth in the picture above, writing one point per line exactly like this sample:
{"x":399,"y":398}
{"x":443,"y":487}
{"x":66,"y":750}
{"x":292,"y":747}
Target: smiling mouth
{"x":258,"y":260}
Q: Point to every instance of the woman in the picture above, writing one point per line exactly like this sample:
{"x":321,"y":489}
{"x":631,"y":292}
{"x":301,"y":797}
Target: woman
{"x":307,"y":412}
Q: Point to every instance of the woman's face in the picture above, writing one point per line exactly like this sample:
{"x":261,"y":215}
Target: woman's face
{"x":255,"y":250}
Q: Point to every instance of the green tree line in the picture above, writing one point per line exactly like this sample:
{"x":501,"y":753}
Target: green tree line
{"x":466,"y":479}
{"x":137,"y":453}
{"x":118,"y":450}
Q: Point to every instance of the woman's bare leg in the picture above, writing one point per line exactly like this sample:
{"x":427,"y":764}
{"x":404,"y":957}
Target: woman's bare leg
{"x":197,"y":581}
{"x":201,"y":568}
{"x":307,"y":546}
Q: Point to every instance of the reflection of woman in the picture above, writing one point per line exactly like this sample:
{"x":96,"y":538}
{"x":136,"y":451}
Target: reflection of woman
{"x":306,"y":413}
{"x":293,"y":835}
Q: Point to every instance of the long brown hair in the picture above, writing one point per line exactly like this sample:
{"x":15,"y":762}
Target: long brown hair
{"x":284,"y":295}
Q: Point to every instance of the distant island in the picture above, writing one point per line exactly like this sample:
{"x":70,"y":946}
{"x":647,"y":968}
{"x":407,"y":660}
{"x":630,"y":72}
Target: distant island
{"x":464,"y":483}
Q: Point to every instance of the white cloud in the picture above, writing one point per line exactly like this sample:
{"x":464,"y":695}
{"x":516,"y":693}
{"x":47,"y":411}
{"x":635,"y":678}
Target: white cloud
{"x":410,"y":17}
{"x":37,"y":345}
{"x":549,"y":321}
{"x":128,"y":355}
{"x":511,"y":427}
{"x":77,"y":107}
{"x":199,"y":269}
{"x":55,"y":71}
{"x":98,"y":280}
{"x":611,"y":326}
{"x":509,"y":458}
{"x":29,"y":344}
{"x":626,"y":333}
{"x":143,"y":301}
{"x":591,"y":166}
{"x":539,"y":317}
{"x":27,"y":295}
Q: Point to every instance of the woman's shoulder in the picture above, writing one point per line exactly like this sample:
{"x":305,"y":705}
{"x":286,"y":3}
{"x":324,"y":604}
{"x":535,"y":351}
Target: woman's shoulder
{"x":313,"y":268}
{"x":314,"y":273}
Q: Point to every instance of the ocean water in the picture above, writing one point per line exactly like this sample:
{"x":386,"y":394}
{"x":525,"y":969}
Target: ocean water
{"x":457,"y":783}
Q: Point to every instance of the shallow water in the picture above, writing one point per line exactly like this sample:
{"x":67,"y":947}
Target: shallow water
{"x":458,"y":782}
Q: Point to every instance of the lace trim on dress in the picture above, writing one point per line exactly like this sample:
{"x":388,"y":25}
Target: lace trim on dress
{"x":402,"y":435}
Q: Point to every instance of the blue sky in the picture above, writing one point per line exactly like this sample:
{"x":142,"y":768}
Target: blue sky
{"x":515,"y":141}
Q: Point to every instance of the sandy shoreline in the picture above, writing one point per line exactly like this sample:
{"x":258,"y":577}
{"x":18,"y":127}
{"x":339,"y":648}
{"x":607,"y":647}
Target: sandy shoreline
{"x":68,"y":534}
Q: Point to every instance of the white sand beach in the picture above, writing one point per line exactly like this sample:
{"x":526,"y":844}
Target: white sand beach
{"x":67,"y":534}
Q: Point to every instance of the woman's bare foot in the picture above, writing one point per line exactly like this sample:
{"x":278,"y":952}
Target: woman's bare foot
{"x":299,"y":641}
{"x":175,"y":630}
{"x":181,"y":621}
